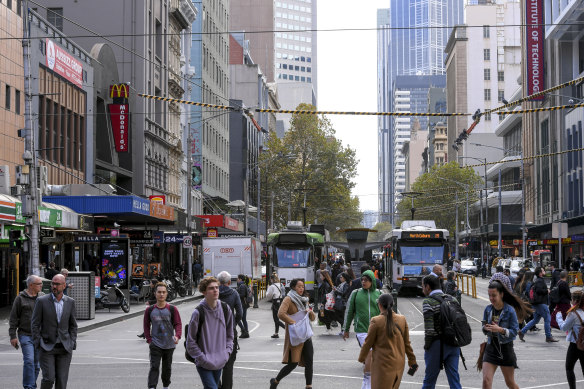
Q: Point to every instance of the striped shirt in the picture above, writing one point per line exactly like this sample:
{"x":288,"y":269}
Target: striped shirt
{"x":431,"y":311}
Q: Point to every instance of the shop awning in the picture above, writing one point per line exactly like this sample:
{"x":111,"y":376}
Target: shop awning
{"x":121,"y":209}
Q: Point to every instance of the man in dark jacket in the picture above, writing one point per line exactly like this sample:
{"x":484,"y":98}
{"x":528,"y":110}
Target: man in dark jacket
{"x":20,"y":317}
{"x":540,"y":306}
{"x":231,"y":298}
{"x":356,"y":284}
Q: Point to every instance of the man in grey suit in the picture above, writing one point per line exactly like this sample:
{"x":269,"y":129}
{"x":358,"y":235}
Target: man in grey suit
{"x":54,"y":333}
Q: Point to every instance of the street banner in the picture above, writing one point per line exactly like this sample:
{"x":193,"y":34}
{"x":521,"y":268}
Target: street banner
{"x":534,"y":44}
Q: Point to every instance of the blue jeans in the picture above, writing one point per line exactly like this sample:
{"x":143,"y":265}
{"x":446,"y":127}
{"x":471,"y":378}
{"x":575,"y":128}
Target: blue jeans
{"x":432,"y":359}
{"x":243,"y":322}
{"x":540,"y":311}
{"x":30,"y":357}
{"x":209,"y":378}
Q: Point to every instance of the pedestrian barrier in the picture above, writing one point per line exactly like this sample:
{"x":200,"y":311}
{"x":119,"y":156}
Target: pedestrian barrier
{"x":261,"y":286}
{"x":471,"y":284}
{"x":575,"y":278}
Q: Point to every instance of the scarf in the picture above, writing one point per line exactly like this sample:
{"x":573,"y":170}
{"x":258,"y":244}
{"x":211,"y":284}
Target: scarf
{"x":300,"y":301}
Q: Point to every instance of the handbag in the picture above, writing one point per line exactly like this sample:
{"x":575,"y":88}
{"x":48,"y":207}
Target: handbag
{"x":300,"y":331}
{"x":479,"y":364}
{"x":330,"y":301}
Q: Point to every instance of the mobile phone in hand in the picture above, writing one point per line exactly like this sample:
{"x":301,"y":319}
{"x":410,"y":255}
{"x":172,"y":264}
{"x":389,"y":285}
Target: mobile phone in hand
{"x":17,"y":346}
{"x":413,"y":369}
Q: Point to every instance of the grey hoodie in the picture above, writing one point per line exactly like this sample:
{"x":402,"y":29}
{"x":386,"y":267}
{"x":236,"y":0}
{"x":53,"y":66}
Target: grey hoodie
{"x":215,"y":342}
{"x":21,"y":314}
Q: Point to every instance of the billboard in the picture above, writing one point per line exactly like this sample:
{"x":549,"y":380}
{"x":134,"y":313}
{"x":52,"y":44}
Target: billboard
{"x":114,"y":263}
{"x":534,"y":44}
{"x":64,"y":64}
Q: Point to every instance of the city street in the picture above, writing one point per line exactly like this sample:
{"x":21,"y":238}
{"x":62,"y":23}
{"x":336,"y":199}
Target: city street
{"x":113,"y":356}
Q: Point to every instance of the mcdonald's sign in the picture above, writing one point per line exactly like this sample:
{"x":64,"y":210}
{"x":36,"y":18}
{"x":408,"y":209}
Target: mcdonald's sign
{"x":119,"y":91}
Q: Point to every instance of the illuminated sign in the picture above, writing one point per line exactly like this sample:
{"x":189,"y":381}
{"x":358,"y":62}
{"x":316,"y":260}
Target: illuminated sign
{"x":119,"y":91}
{"x":422,"y":235}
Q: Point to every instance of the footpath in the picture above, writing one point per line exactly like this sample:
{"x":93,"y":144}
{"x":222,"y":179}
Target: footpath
{"x":103,"y":317}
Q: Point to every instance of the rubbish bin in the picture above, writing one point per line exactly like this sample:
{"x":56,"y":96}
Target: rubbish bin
{"x":46,"y":289}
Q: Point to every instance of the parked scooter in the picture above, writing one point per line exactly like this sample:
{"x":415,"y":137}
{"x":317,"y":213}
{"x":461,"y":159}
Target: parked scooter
{"x":171,"y":291}
{"x":179,"y":284}
{"x":112,"y":297}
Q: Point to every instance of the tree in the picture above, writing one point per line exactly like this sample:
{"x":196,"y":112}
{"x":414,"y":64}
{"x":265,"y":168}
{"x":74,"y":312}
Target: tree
{"x":309,"y":161}
{"x":438,"y":199}
{"x":382,"y":228}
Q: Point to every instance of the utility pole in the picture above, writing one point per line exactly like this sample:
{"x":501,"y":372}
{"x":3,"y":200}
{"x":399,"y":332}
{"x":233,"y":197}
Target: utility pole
{"x":523,"y":233}
{"x":456,"y":231}
{"x":272,"y":213}
{"x":304,"y":211}
{"x":189,"y":205}
{"x":258,"y":206}
{"x":30,"y":197}
{"x":500,"y":244}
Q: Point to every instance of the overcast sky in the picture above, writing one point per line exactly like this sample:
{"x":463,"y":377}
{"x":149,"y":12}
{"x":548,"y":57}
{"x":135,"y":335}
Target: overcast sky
{"x":347,"y":81}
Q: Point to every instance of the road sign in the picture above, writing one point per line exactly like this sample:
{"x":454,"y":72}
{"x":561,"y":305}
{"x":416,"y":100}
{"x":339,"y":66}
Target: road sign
{"x":187,"y":242}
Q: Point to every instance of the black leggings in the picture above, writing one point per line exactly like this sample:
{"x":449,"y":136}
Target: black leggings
{"x":277,"y":322}
{"x":307,"y":355}
{"x":572,"y":356}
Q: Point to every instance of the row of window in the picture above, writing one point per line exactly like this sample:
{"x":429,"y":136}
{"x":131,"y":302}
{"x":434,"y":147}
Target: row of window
{"x":156,"y":175}
{"x":294,"y":67}
{"x":8,"y":105}
{"x":500,"y":95}
{"x":293,"y":57}
{"x":294,"y":7}
{"x":297,"y":18}
{"x":286,"y":46}
{"x":9,"y":4}
{"x":299,"y":38}
{"x":487,"y":75}
{"x":293,"y":78}
{"x":292,"y":27}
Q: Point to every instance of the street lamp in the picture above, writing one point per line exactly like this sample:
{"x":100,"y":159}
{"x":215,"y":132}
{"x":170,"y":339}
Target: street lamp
{"x":523,"y":233}
{"x":486,"y":220}
{"x":466,"y":187}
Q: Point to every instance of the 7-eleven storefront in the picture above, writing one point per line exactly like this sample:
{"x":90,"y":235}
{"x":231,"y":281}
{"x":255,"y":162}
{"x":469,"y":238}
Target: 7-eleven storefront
{"x":11,"y":264}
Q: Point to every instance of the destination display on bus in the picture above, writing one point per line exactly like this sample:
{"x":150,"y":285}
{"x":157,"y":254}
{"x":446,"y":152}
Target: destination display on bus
{"x":422,"y":235}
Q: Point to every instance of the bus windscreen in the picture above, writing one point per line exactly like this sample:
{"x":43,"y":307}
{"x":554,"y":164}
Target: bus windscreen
{"x":422,"y":254}
{"x":297,"y":257}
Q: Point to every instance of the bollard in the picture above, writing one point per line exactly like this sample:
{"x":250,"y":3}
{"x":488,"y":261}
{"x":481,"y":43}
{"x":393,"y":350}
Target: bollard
{"x":394,"y":295}
{"x":255,"y":294}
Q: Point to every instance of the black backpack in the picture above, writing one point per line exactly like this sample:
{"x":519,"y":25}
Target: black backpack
{"x":200,"y":323}
{"x":454,"y":325}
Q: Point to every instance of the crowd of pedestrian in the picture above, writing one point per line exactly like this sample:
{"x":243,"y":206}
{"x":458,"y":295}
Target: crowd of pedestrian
{"x":45,"y":327}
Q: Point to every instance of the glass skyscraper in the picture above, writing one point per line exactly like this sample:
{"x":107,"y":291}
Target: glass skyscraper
{"x":410,"y":42}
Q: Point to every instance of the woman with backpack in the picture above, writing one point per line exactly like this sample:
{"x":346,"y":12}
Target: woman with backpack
{"x":560,"y":297}
{"x":275,"y":294}
{"x":500,"y":324}
{"x":389,"y":338}
{"x":243,"y":291}
{"x":573,"y":327}
{"x":303,"y":353}
{"x":326,"y":287}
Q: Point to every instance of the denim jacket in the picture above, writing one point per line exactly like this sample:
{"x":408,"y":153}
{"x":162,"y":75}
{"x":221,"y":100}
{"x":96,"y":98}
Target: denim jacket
{"x":571,"y":325}
{"x":508,"y":321}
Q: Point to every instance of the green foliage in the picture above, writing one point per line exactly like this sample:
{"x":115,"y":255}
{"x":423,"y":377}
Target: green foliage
{"x":309,"y":159}
{"x":382,"y":229}
{"x":438,"y":201}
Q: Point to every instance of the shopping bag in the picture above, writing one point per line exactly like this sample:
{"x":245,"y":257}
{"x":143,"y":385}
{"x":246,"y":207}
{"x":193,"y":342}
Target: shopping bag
{"x":300,"y":331}
{"x":330,"y":301}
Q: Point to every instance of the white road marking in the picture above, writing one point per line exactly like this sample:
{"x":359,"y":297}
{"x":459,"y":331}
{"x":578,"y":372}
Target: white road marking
{"x":256,"y":327}
{"x":549,"y":385}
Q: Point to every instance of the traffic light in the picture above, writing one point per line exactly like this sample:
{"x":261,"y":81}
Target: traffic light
{"x":14,"y":241}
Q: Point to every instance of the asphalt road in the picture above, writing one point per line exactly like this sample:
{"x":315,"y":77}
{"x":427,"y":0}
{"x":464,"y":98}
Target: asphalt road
{"x":113,"y":357}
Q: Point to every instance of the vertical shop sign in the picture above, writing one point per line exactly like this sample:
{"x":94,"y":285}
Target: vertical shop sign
{"x":534,"y":39}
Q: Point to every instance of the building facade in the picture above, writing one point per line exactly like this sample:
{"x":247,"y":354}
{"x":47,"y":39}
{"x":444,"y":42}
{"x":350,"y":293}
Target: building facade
{"x":554,"y":184}
{"x":406,"y":51}
{"x":210,"y":56}
{"x":410,"y":94}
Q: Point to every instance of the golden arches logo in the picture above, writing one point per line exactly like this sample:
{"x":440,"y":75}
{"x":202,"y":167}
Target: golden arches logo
{"x":119,"y":88}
